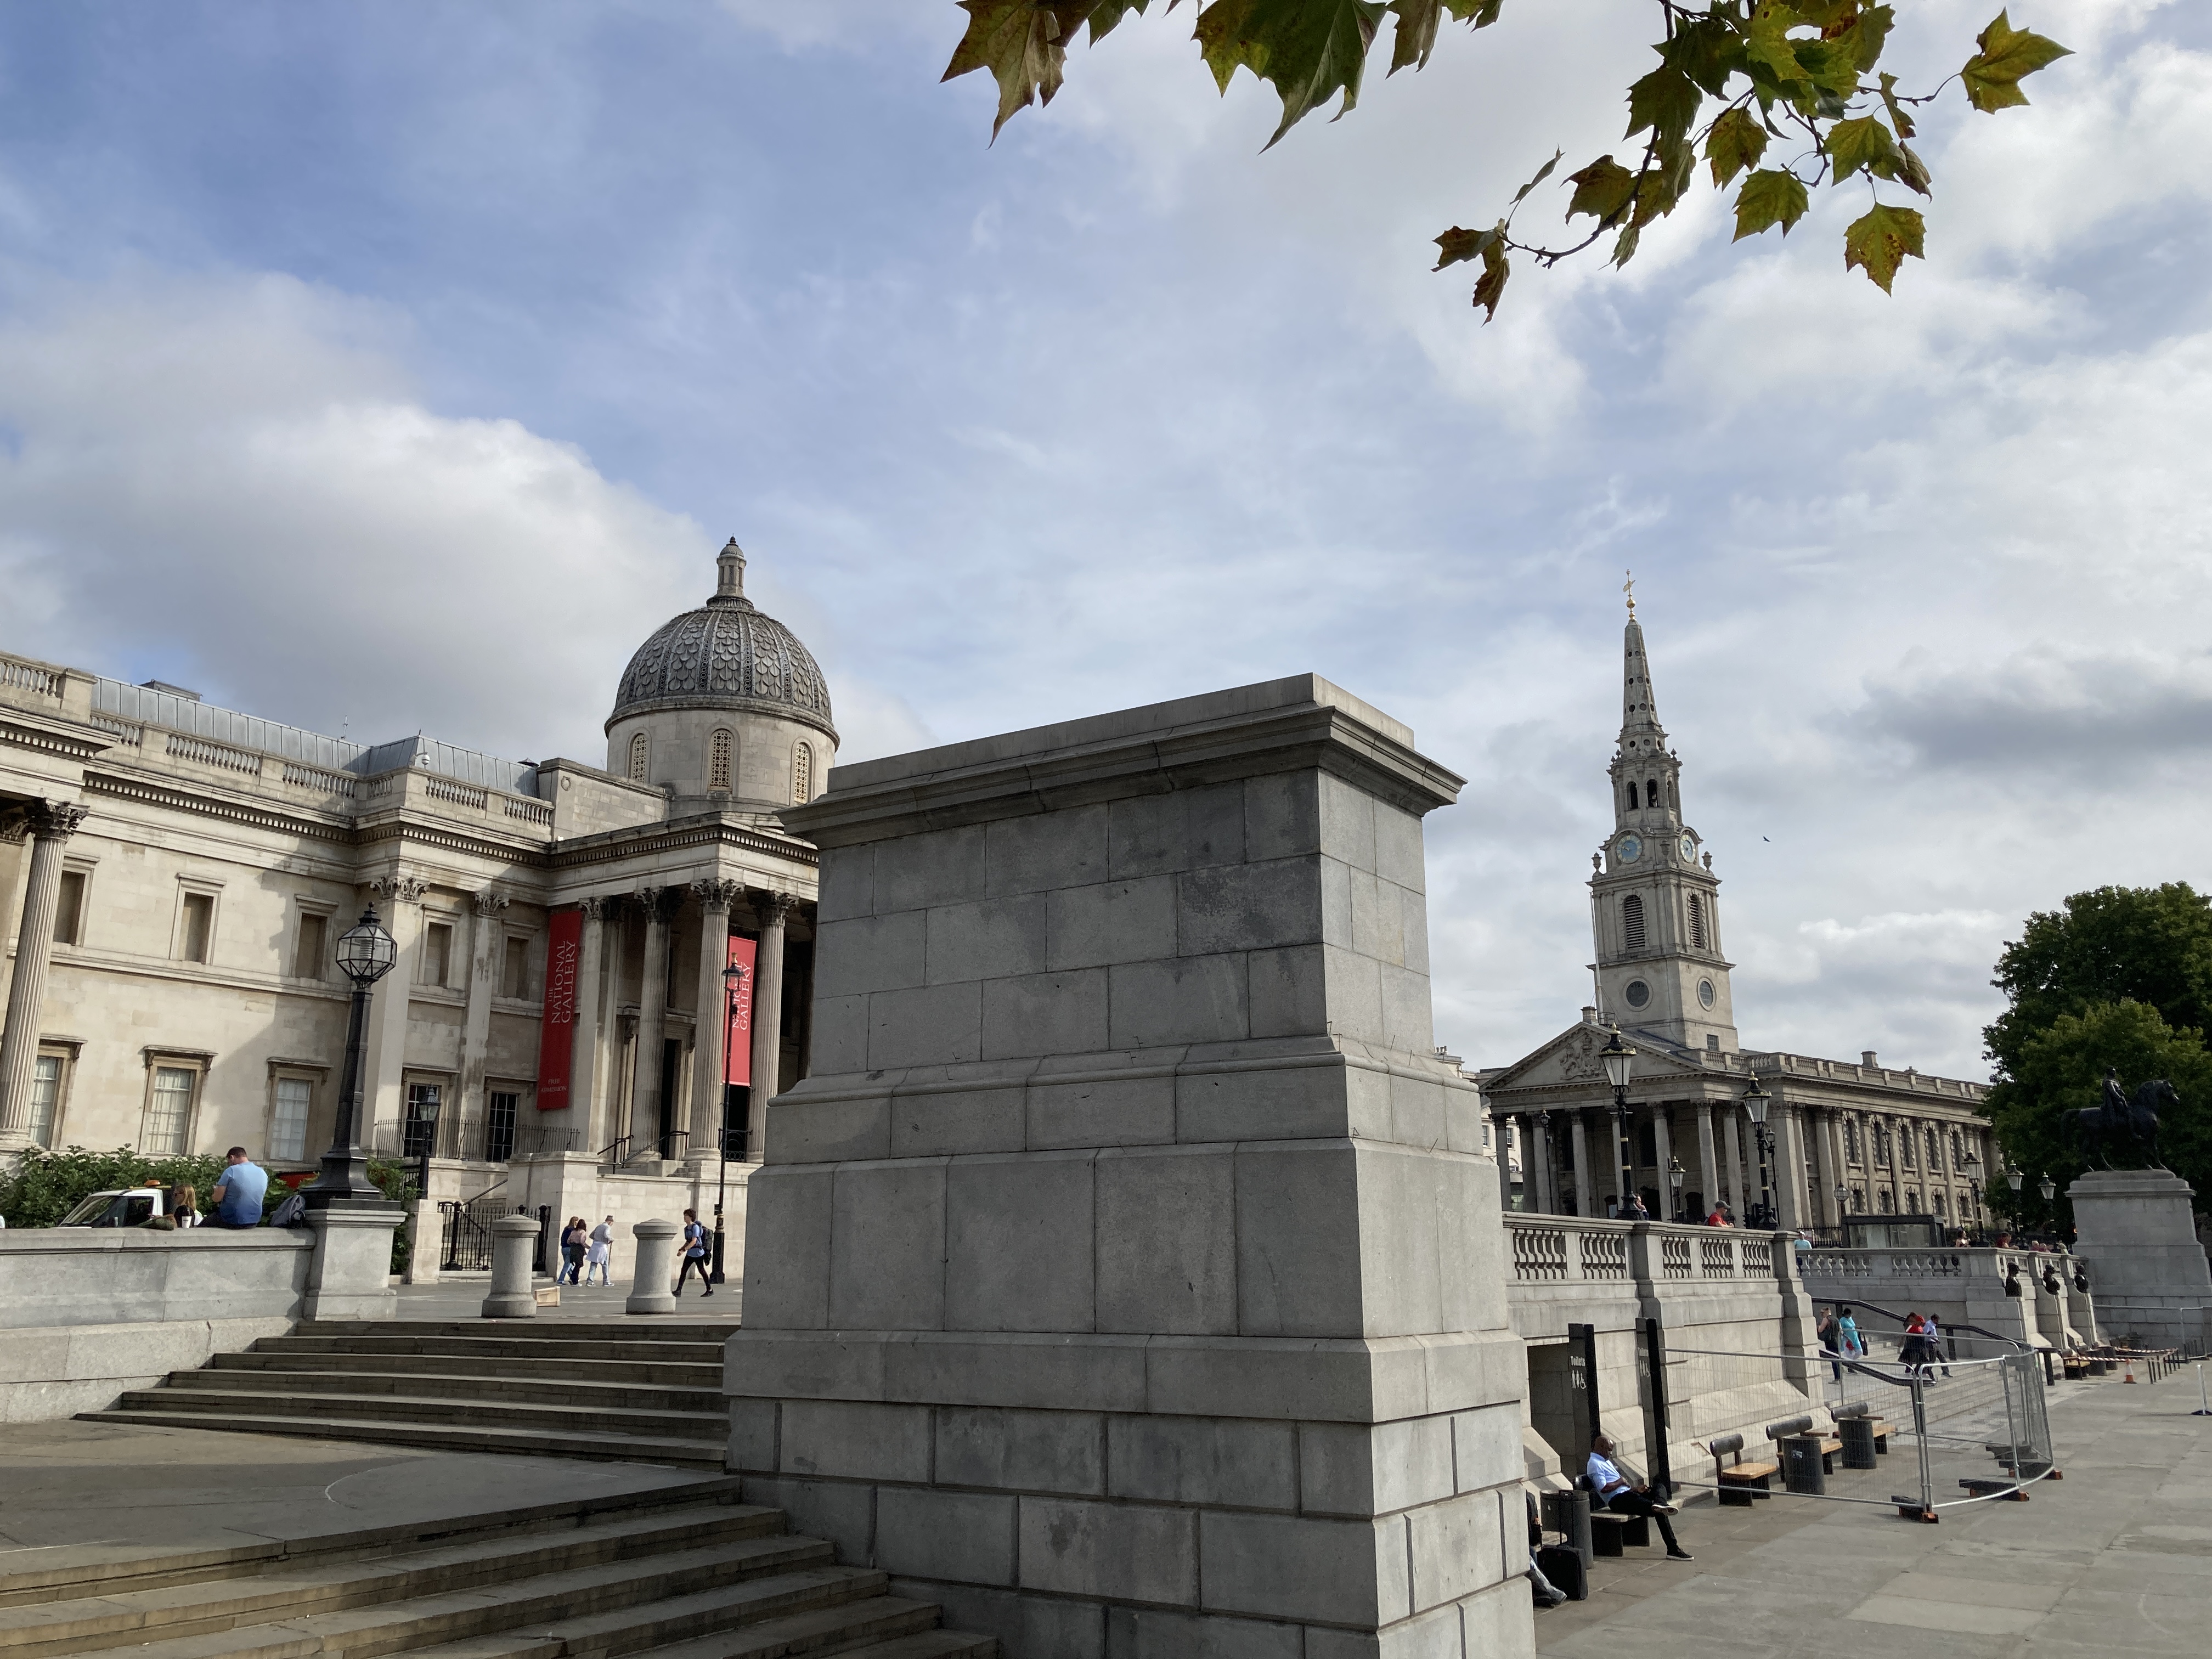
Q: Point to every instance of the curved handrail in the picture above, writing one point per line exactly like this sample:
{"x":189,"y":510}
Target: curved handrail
{"x":1890,"y":1313}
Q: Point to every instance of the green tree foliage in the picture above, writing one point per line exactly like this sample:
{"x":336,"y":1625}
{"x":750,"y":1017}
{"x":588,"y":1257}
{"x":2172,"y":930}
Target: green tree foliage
{"x":1733,"y":78}
{"x":2119,"y":976}
{"x":47,"y":1186}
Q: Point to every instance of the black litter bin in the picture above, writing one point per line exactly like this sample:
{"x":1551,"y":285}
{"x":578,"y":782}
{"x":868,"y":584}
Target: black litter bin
{"x":1568,"y":1513}
{"x":1801,"y":1465}
{"x":1857,"y":1435}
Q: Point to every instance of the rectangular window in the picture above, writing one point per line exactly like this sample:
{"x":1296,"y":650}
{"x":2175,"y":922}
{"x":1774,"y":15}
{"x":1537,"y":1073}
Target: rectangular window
{"x":437,"y":954}
{"x":499,"y":1126}
{"x":288,"y":1129}
{"x":171,"y":1118}
{"x":308,"y":961}
{"x":68,"y":909}
{"x":514,"y":972}
{"x":46,"y":1098}
{"x":422,"y":1128}
{"x":199,"y":927}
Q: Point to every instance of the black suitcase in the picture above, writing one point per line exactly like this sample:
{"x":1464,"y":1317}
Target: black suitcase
{"x":1563,"y":1566}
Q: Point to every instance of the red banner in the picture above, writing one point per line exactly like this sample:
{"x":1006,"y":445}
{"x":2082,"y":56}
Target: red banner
{"x":738,"y":1030}
{"x":556,"y":1033}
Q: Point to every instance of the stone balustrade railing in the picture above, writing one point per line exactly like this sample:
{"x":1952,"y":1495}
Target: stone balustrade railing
{"x":33,"y":678}
{"x":1562,"y":1248}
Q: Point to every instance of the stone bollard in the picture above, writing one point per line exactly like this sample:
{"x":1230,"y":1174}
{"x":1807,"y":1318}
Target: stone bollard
{"x":513,"y":1242}
{"x":650,"y":1291}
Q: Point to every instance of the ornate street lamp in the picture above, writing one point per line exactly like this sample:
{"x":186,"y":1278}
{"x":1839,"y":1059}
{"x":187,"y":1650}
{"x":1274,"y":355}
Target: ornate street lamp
{"x":1756,"y":1100}
{"x":732,"y":977}
{"x":2014,"y":1174}
{"x":1620,"y":1060}
{"x":1676,"y":1174}
{"x":365,"y":954}
{"x":2048,"y":1188}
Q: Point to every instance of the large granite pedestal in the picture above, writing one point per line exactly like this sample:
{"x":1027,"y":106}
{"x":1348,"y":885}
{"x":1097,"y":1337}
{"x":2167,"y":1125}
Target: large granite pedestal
{"x":1128,"y":1277}
{"x":2135,"y":1229}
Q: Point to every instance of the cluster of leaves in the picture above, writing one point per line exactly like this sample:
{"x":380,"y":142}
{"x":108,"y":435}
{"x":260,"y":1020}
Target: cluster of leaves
{"x":1796,"y":72}
{"x":47,"y":1186}
{"x":2120,"y":977}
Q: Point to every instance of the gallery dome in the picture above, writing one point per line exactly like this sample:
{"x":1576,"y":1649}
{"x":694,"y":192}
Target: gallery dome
{"x":725,"y":654}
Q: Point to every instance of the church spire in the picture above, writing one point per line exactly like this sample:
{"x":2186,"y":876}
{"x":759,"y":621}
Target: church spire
{"x":730,"y":572}
{"x":1640,"y":731}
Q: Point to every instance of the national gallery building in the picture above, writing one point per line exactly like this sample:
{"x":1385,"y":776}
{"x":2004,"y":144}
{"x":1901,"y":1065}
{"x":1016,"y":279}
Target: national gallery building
{"x":173,"y":877}
{"x":1857,"y":1138}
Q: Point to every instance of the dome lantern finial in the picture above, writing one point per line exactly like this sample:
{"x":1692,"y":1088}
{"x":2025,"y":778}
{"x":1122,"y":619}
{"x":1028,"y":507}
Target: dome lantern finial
{"x":729,"y":571}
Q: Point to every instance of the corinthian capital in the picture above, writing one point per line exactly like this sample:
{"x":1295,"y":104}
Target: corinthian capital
{"x":398,"y":889}
{"x":660,"y":904}
{"x":490,"y":903}
{"x":772,"y":906}
{"x":56,"y":820}
{"x":594,"y":906}
{"x":716,"y":895}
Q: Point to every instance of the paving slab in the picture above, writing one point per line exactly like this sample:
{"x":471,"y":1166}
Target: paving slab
{"x":106,"y":1492}
{"x":461,"y":1295}
{"x":2116,"y":1557}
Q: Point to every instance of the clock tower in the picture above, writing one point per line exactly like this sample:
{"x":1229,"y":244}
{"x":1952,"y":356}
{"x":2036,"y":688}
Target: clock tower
{"x":1654,"y":910}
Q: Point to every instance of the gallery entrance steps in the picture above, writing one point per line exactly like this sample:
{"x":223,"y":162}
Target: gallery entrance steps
{"x":681,"y":1572}
{"x":629,"y":1390}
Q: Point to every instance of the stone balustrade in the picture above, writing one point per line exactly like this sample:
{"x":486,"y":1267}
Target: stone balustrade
{"x":1962,"y":1287}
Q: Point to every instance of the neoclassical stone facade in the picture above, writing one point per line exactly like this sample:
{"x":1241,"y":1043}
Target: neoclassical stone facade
{"x":173,"y":876}
{"x":1894,"y":1141}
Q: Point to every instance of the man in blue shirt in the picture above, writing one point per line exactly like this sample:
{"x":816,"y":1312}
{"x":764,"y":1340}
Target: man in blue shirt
{"x":237,"y":1194}
{"x":1612,"y":1489}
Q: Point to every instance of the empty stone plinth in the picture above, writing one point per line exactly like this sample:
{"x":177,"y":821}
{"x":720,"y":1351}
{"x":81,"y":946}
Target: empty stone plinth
{"x":2135,"y":1229}
{"x":1128,"y":1277}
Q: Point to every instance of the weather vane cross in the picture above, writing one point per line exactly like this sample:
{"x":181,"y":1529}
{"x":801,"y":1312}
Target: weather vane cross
{"x":1629,"y":588}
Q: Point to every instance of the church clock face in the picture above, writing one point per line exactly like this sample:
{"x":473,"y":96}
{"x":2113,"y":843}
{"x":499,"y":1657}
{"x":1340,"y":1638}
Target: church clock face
{"x":1689,"y":849}
{"x":1630,"y":850}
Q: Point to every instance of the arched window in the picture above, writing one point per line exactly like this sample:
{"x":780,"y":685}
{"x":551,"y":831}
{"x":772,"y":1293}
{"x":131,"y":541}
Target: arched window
{"x":1696,"y":921}
{"x":1651,"y":793}
{"x":1958,"y":1154}
{"x":1937,"y":1205}
{"x":1935,"y":1151}
{"x":1850,"y":1141}
{"x":1631,"y":794}
{"x":640,"y":757}
{"x":1909,"y":1142}
{"x":718,"y":758}
{"x":1631,"y":921}
{"x":802,"y":774}
{"x":1886,"y":1205}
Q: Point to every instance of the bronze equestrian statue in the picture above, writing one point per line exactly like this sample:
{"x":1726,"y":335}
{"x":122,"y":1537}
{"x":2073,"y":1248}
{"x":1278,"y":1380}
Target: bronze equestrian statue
{"x":2121,"y":1120}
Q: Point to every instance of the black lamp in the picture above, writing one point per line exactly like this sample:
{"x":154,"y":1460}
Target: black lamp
{"x":1620,"y":1060}
{"x":365,"y":954}
{"x":1756,"y":1101}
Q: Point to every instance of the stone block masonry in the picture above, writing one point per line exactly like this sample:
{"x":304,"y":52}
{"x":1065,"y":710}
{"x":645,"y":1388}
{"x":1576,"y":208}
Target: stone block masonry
{"x":1129,"y":1276}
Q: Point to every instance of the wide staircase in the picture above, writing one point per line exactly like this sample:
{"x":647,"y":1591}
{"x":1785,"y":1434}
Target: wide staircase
{"x":631,"y":1390}
{"x":682,"y":1572}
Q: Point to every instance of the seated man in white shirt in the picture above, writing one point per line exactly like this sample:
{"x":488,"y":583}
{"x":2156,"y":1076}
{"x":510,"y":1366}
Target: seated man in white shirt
{"x":1617,"y":1494}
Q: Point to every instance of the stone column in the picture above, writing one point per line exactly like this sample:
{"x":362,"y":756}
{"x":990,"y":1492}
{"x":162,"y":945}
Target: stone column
{"x":384,"y":1049}
{"x":1838,"y":1175}
{"x":1787,"y":1170}
{"x":588,"y":1108}
{"x":487,"y":938}
{"x":659,"y":904}
{"x":767,"y":1016}
{"x":1709,"y":1167}
{"x":1541,"y":1179}
{"x":711,"y":1016}
{"x":1732,"y":1164}
{"x":513,"y":1242}
{"x":51,"y":822}
{"x":1131,"y":1263}
{"x":1501,"y":1133}
{"x":1578,"y":1142}
{"x":1662,"y":1149}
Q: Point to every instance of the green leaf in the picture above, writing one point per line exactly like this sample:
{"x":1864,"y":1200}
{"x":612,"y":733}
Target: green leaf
{"x":1624,"y":246}
{"x":1736,"y":142}
{"x":1666,"y":101}
{"x":1880,"y":241}
{"x":1766,"y":41}
{"x":1602,"y":189}
{"x":1491,"y":287}
{"x":1415,"y":37}
{"x":1542,"y":173}
{"x":1871,"y":32}
{"x":1020,"y":42}
{"x":1456,"y":245}
{"x":2008,"y":56}
{"x":1773,"y":195}
{"x":1899,"y":117}
{"x":1107,"y":13}
{"x":1862,"y":143}
{"x":1308,"y":50}
{"x":1706,"y":49}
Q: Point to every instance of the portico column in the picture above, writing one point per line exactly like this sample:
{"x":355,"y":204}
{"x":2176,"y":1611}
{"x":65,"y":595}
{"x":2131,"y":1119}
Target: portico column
{"x":1831,"y":1142}
{"x":1789,"y":1171}
{"x":1732,"y":1164}
{"x":51,"y":822}
{"x":767,"y":1016}
{"x":1585,"y":1195}
{"x":660,"y":904}
{"x":1662,"y":1152}
{"x":1709,"y":1169}
{"x":384,"y":1056}
{"x":484,"y":955}
{"x":585,"y":1106}
{"x":712,"y":1014}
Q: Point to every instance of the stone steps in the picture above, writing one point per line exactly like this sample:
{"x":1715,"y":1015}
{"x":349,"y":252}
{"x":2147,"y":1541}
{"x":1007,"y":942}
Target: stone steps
{"x":594,"y":1448}
{"x":674,"y":1374}
{"x":463,"y":1400}
{"x":684,"y":1572}
{"x":642,"y":1392}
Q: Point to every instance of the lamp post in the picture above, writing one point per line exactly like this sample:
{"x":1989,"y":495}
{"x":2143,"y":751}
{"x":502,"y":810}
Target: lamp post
{"x":1971,"y":1163}
{"x":1620,"y":1060}
{"x":1843,"y":1209}
{"x":1542,"y":1173}
{"x":1676,"y":1174}
{"x":732,"y":977}
{"x":1756,"y":1100}
{"x":365,"y":954}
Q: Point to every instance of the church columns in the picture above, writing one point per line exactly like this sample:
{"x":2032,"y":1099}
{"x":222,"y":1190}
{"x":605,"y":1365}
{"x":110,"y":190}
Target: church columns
{"x":1539,"y":1182}
{"x":51,"y":824}
{"x":1834,"y":1175}
{"x":586,"y":1103}
{"x":1501,"y":1146}
{"x":1789,"y":1167}
{"x":1663,"y":1154}
{"x":384,"y":1057}
{"x":1732,"y":1181}
{"x":659,"y":904}
{"x":1585,"y":1195}
{"x":712,"y":1019}
{"x":768,"y":1018}
{"x":1709,"y":1169}
{"x":488,"y":935}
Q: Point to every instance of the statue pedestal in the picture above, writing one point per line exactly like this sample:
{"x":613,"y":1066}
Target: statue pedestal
{"x":2134,"y":1230}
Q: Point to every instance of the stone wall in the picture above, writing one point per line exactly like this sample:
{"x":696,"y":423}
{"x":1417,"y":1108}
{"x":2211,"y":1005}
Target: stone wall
{"x":1129,"y":1278}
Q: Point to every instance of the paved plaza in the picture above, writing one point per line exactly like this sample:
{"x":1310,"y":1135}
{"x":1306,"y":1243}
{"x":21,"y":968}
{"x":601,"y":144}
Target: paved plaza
{"x":2115,"y":1558}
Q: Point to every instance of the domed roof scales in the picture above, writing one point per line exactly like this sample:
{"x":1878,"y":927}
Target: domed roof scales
{"x":725,"y":654}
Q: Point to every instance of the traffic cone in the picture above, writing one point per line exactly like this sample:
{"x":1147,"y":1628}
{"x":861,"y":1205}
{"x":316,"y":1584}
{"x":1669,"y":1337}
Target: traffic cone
{"x":2128,"y":1370}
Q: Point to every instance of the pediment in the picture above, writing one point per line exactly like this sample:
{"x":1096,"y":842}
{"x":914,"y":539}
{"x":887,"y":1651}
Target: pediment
{"x":1571,"y":1059}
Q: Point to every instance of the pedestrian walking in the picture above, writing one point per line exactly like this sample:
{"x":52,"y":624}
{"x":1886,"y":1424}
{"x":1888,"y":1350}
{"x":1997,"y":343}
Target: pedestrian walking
{"x":1912,"y":1352}
{"x":1830,"y":1334}
{"x":574,"y":1240}
{"x":1849,"y":1344}
{"x":599,"y":1258}
{"x":1939,"y":1345}
{"x":695,"y":1249}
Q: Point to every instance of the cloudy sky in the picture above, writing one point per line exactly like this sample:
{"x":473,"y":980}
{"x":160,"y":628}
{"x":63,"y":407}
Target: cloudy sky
{"x":398,"y":366}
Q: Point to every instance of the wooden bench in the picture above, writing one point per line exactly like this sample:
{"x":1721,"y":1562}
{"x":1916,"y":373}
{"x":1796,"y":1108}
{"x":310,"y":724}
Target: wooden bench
{"x":1739,"y":1485}
{"x":1613,"y":1534}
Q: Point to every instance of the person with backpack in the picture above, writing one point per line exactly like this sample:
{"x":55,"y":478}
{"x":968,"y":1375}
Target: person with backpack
{"x":696,"y":1249}
{"x":574,"y":1240}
